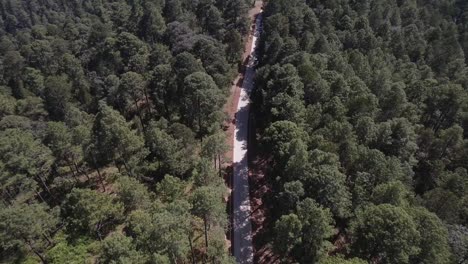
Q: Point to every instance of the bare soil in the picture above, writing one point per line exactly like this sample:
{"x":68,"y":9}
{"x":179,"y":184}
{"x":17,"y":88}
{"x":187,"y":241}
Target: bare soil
{"x":231,"y":108}
{"x":260,"y":188}
{"x":231,"y":105}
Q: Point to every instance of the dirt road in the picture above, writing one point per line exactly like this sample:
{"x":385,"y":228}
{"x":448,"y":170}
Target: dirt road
{"x":242,"y":227}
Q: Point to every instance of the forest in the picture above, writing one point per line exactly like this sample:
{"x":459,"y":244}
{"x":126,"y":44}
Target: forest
{"x":362,"y":113}
{"x":111,"y":129}
{"x":112,"y":141}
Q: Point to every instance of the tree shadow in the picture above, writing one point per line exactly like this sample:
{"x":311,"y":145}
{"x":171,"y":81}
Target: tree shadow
{"x":242,"y":123}
{"x":242,"y":246}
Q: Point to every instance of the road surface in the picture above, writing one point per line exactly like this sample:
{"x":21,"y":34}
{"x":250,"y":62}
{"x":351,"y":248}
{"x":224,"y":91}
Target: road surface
{"x":242,"y":227}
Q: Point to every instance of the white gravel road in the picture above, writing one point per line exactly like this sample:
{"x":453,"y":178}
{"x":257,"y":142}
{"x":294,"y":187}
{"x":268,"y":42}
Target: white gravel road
{"x":242,"y":227}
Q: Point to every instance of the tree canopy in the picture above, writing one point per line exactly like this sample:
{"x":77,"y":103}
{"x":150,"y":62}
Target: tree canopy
{"x":361,"y":106}
{"x":111,"y":118}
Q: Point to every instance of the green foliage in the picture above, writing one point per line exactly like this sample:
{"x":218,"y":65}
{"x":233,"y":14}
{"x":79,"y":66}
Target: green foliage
{"x":114,"y":140}
{"x":206,"y":204}
{"x":203,"y":99}
{"x":380,"y":89}
{"x":434,"y":247}
{"x":317,"y":228}
{"x":234,"y":48}
{"x":162,"y":230}
{"x":118,"y":248}
{"x":288,"y":233}
{"x":7,"y":103}
{"x":116,"y":95}
{"x":28,"y":227}
{"x":458,"y":240}
{"x":77,"y":252}
{"x":57,"y":93}
{"x":132,"y":193}
{"x":341,"y":260}
{"x":327,"y":186}
{"x":90,"y":211}
{"x":25,"y":164}
{"x":394,"y":193}
{"x":279,"y":136}
{"x":170,"y":189}
{"x":361,"y":107}
{"x":390,"y":230}
{"x":172,"y":155}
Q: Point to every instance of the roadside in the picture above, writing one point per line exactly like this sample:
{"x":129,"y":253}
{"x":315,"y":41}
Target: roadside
{"x":231,"y":105}
{"x":241,"y":226}
{"x":231,"y":108}
{"x":261,"y":200}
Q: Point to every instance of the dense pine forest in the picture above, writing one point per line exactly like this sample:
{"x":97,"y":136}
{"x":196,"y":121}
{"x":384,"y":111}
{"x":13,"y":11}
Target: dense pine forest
{"x":111,"y":129}
{"x":363,"y":108}
{"x":113,"y":141}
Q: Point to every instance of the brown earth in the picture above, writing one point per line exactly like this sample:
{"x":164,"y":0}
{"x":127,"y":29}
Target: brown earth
{"x":260,"y":189}
{"x":230,"y":108}
{"x":231,"y":105}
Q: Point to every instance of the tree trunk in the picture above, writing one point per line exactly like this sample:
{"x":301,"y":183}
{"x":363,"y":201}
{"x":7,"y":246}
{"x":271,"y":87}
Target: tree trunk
{"x":40,"y":196}
{"x":46,"y":188}
{"x":9,"y":196}
{"x":48,"y":239}
{"x":101,"y":179}
{"x":444,"y":149}
{"x":219,"y":165}
{"x":126,"y":168}
{"x":148,"y":102}
{"x":74,"y":173}
{"x":98,"y":230}
{"x":42,"y":258}
{"x":439,"y":121}
{"x":165,"y":104}
{"x":205,"y":222}
{"x":71,"y":169}
{"x":139,"y":115}
{"x":83,"y":171}
{"x":174,"y":257}
{"x":191,"y":249}
{"x":199,"y":116}
{"x":99,"y":173}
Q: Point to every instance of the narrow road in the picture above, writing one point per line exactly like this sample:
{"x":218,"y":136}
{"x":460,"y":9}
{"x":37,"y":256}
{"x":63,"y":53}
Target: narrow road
{"x":242,"y":227}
